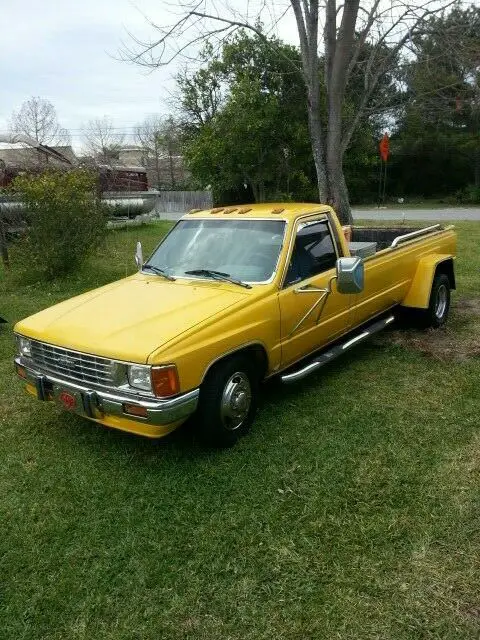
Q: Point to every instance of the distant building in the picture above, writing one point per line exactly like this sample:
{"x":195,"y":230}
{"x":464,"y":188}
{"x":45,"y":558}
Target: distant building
{"x":132,"y":155}
{"x":21,"y":156}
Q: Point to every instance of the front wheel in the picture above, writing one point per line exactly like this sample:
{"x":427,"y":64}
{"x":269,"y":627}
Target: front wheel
{"x":228,"y":401}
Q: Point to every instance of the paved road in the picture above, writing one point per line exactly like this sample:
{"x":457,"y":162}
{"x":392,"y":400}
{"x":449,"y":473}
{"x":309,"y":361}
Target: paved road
{"x":453,"y":213}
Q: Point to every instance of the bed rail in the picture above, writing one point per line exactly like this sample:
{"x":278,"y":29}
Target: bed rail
{"x":414,"y":234}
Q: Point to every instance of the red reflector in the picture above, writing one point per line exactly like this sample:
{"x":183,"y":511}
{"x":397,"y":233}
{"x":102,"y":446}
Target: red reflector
{"x":135,"y":410}
{"x":21,"y":371}
{"x":165,"y":381}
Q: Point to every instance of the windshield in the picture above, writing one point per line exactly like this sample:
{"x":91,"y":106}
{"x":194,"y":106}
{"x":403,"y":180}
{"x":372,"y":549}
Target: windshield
{"x":247,"y":250}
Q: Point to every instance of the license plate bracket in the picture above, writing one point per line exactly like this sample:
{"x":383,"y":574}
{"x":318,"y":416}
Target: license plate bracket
{"x":69,"y":399}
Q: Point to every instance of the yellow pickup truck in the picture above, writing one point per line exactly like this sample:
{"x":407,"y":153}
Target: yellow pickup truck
{"x":229,"y":298}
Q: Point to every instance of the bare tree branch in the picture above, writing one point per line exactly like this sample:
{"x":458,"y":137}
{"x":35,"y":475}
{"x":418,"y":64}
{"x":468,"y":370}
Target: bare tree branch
{"x":101,"y":140}
{"x":37,"y":119}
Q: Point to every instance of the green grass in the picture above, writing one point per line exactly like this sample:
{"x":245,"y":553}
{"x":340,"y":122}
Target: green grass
{"x":351,"y":511}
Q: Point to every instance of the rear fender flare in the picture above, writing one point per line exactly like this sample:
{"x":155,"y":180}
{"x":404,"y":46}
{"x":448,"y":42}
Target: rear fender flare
{"x":418,"y":295}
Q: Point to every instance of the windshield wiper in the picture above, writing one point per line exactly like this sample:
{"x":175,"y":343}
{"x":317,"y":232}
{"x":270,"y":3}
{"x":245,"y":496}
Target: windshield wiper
{"x":217,"y":275}
{"x":158,"y":271}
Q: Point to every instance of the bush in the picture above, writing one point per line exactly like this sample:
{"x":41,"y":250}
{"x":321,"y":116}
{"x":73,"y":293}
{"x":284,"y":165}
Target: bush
{"x":66,"y":219}
{"x":471,"y":194}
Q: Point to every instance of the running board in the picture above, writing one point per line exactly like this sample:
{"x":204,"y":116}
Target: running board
{"x":334,"y":352}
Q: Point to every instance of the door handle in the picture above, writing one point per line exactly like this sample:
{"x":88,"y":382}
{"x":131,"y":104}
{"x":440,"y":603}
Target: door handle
{"x":308,"y":288}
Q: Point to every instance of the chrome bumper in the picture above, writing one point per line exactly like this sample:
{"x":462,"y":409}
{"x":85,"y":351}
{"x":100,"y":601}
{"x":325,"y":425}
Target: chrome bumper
{"x":94,"y":403}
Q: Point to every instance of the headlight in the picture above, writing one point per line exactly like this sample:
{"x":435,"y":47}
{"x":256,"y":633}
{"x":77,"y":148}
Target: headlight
{"x":24,"y":346}
{"x":139,"y":376}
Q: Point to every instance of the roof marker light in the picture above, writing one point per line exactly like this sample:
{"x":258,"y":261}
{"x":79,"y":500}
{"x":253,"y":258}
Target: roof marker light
{"x":217,"y":210}
{"x":194,"y":210}
{"x":278,"y":210}
{"x":230,"y":210}
{"x":244,"y":210}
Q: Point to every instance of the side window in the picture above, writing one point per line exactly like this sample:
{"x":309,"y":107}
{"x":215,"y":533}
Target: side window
{"x":313,"y":253}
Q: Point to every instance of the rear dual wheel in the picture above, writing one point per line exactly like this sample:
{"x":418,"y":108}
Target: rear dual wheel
{"x":436,"y":314}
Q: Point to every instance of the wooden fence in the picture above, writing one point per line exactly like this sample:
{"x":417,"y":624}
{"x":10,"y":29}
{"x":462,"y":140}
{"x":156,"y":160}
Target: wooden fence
{"x":182,"y":201}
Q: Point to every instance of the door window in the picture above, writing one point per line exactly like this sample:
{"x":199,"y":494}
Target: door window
{"x":313,"y":253}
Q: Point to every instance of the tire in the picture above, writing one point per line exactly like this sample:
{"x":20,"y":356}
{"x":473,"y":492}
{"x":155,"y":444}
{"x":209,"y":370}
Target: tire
{"x":439,"y":305}
{"x":228,"y":401}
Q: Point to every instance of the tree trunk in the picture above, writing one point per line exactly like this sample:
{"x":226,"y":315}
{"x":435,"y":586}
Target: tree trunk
{"x":339,"y":199}
{"x":157,"y":163}
{"x":261,"y":191}
{"x":337,"y":187}
{"x":315,"y":127}
{"x":254,"y":190}
{"x":172,"y":172}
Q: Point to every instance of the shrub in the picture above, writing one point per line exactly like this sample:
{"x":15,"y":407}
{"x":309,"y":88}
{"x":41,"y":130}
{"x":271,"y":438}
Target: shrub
{"x":472,"y":194}
{"x":66,"y":219}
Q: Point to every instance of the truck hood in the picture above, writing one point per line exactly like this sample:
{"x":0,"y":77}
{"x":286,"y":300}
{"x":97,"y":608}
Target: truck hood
{"x":128,"y":319}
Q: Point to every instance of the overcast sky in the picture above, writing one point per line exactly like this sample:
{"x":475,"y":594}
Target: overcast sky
{"x":64,"y":51}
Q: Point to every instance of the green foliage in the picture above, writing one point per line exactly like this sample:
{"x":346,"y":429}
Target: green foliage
{"x":437,"y":148}
{"x":469,"y":195}
{"x":66,"y":220}
{"x":246,"y":121}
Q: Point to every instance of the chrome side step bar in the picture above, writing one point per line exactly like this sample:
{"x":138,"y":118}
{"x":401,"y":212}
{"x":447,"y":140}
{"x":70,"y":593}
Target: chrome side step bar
{"x":334,"y":352}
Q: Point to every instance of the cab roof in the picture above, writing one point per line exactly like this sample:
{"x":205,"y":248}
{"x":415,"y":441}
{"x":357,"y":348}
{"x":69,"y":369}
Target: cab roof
{"x":280,"y":210}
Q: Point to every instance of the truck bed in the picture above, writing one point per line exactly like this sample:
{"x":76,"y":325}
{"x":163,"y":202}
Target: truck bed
{"x":382,"y":236}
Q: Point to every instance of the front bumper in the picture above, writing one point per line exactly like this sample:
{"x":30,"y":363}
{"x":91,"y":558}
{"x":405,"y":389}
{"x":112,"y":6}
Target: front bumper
{"x":108,"y":407}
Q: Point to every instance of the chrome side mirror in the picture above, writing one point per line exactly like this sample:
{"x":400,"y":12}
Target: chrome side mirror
{"x":350,"y":275}
{"x":139,"y":256}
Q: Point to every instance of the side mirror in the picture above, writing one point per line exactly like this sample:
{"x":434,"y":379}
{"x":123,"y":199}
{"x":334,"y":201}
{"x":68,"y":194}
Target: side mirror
{"x":139,"y":256}
{"x":350,"y":275}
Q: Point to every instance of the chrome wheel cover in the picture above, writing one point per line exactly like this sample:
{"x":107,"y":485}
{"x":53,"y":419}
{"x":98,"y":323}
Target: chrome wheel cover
{"x":441,"y":301}
{"x":236,"y":401}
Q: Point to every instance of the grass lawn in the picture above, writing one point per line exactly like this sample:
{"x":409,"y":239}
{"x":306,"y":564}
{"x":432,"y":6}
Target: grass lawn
{"x":351,"y":511}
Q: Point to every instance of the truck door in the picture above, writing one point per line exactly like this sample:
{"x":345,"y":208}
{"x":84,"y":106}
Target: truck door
{"x":386,"y":279}
{"x":312,"y":311}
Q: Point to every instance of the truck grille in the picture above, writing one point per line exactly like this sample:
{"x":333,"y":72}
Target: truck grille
{"x":76,"y":366}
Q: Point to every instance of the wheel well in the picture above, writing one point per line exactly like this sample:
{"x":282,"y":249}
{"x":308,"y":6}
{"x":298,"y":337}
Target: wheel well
{"x":446,"y":267}
{"x":255,"y":351}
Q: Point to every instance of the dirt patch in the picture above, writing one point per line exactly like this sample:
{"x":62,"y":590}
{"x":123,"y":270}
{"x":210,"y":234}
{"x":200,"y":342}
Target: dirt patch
{"x":459,"y":340}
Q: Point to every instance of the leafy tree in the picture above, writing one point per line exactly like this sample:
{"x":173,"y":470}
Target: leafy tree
{"x":245,"y":122}
{"x":438,"y":140}
{"x":245,"y":119}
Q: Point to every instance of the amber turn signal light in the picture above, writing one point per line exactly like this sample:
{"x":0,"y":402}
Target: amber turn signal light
{"x":21,"y":372}
{"x":165,"y":381}
{"x":135,"y":410}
